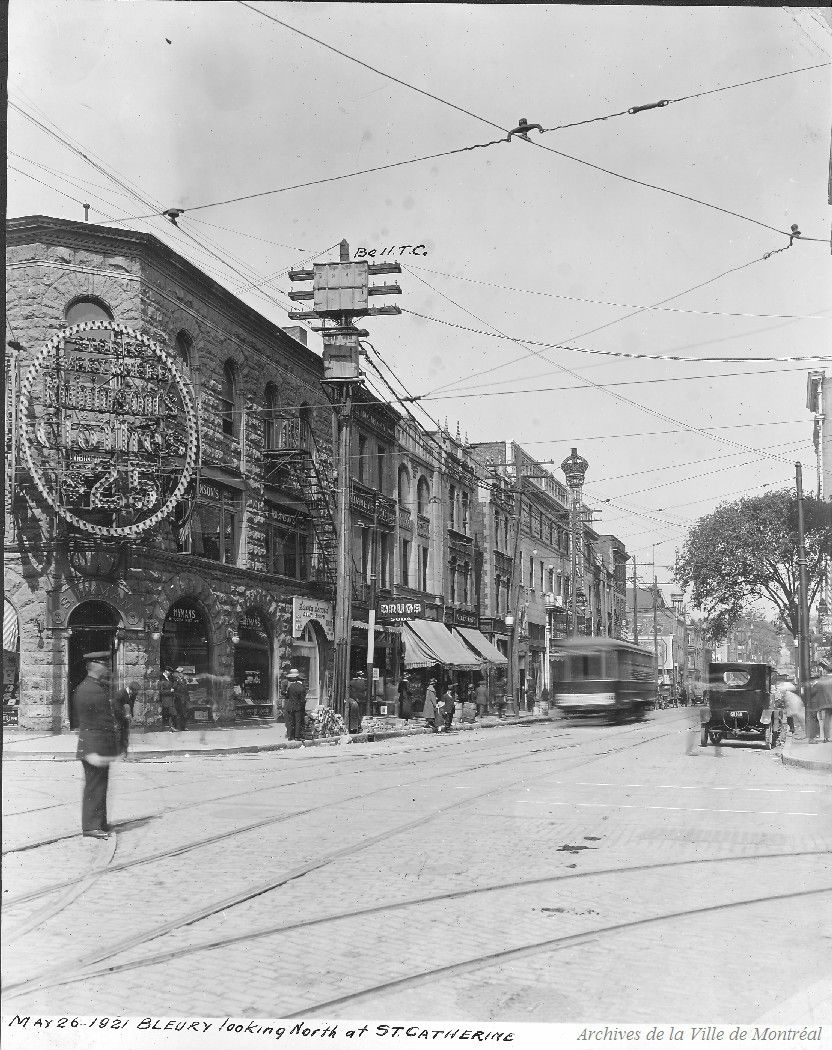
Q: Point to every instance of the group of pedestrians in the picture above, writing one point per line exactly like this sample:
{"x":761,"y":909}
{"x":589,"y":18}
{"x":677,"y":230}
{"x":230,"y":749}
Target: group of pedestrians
{"x":173,"y":696}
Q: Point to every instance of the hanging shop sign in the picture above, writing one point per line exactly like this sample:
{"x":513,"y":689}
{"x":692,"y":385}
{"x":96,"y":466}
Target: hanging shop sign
{"x":306,"y":609}
{"x":398,"y":610}
{"x":462,"y":617}
{"x":108,"y":429}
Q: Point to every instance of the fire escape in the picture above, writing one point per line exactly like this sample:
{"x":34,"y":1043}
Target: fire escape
{"x":296,"y":466}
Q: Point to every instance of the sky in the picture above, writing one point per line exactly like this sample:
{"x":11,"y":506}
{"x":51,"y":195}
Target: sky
{"x":189,"y":105}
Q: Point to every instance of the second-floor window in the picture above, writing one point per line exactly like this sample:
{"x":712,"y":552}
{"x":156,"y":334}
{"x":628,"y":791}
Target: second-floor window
{"x":541,"y":575}
{"x":531,"y":572}
{"x":452,"y":506}
{"x":422,"y":496}
{"x":466,"y":583}
{"x":465,"y":499}
{"x":286,"y":538}
{"x":215,"y":525}
{"x":452,"y":568}
{"x":404,"y":487}
{"x":423,"y":568}
{"x":384,"y":561}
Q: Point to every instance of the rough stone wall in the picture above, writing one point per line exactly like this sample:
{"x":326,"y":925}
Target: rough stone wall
{"x":151,"y":295}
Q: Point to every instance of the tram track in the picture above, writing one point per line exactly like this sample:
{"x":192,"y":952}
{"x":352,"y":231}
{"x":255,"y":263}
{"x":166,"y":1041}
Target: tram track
{"x":210,"y":840}
{"x":395,"y":762}
{"x":510,"y":955}
{"x":224,"y":904}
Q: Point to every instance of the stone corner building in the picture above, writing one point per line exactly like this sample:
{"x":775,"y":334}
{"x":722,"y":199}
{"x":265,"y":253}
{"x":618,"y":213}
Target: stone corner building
{"x":236,"y":585}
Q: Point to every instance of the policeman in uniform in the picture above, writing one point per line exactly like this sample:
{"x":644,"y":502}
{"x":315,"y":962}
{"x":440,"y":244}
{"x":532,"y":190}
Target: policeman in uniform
{"x":295,"y":705}
{"x":98,"y":742}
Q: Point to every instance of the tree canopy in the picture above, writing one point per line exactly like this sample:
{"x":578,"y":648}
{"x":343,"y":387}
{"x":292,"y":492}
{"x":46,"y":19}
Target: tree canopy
{"x":747,"y":550}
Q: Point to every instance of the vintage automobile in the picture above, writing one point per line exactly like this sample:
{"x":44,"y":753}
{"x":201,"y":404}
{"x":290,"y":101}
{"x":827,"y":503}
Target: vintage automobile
{"x":739,"y":704}
{"x":604,"y":677}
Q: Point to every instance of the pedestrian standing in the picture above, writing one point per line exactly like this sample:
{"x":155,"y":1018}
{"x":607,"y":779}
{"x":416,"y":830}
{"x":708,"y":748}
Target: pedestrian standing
{"x":429,"y":710}
{"x":294,"y":707}
{"x":166,"y":697}
{"x":481,"y":699}
{"x":448,"y":704}
{"x":98,"y":742}
{"x":819,"y":707}
{"x":405,"y":703}
{"x":790,"y":703}
{"x":123,"y":704}
{"x":180,"y":701}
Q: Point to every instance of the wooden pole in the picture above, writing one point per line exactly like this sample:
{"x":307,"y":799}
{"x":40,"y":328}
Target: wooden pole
{"x":343,"y":590}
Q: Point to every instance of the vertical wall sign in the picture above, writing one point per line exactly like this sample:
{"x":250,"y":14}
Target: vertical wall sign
{"x":108,"y":428}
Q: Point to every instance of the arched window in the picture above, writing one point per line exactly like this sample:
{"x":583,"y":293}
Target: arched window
{"x":404,"y":486}
{"x":87,"y":308}
{"x":422,"y":496}
{"x":228,"y":399}
{"x":184,"y":350}
{"x":270,"y":424}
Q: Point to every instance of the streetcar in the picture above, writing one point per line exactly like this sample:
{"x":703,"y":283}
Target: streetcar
{"x":604,"y":676}
{"x":739,"y":705}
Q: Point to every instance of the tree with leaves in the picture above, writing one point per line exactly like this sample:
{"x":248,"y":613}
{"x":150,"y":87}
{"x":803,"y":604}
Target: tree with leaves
{"x":747,"y":550}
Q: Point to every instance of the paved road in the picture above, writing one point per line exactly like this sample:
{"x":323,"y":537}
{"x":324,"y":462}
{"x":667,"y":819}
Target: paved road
{"x":533,"y":873}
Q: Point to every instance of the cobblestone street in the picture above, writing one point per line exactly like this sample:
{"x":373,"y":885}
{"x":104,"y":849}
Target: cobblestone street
{"x":546,"y":872}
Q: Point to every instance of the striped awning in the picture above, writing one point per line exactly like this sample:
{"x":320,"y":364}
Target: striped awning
{"x":482,"y":647}
{"x":428,"y":642}
{"x":11,"y":632}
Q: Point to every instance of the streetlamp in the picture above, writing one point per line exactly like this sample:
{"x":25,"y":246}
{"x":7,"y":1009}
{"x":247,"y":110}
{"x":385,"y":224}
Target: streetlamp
{"x":509,"y":621}
{"x":547,"y":670}
{"x":574,"y":467}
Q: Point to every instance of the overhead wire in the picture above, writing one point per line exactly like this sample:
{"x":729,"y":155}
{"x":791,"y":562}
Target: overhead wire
{"x":535,"y":142}
{"x":623,"y":306}
{"x":625,"y":400}
{"x":456,"y":395}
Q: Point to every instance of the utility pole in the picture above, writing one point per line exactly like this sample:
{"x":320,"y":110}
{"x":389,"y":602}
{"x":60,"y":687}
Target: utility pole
{"x":635,"y":604}
{"x":371,"y":612}
{"x":803,"y":595}
{"x":514,"y":601}
{"x":655,"y":621}
{"x":340,"y":294}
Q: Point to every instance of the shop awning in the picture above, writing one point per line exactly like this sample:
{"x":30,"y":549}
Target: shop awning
{"x":428,"y":642}
{"x":481,"y":645}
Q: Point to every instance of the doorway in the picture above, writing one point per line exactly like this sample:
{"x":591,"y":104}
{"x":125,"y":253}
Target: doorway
{"x":92,"y":629}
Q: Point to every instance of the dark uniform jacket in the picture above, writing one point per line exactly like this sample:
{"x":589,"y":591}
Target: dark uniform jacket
{"x":295,"y":696}
{"x":97,"y":731}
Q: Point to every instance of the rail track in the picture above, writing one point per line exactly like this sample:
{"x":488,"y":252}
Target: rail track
{"x":57,"y":975}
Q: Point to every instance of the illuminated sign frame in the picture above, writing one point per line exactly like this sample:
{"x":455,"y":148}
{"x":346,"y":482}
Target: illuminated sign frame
{"x":153,"y":363}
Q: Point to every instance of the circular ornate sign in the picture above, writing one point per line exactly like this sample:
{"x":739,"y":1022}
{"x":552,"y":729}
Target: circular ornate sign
{"x":109,"y":428}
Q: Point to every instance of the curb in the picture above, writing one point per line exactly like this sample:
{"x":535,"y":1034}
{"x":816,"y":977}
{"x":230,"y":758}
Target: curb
{"x":803,"y":763}
{"x":285,"y":745}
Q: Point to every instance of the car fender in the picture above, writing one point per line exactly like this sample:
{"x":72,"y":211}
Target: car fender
{"x":766,"y":716}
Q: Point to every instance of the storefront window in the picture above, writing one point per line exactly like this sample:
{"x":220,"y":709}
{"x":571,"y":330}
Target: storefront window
{"x":287,"y":543}
{"x":92,"y":628}
{"x":11,"y":654}
{"x":253,"y":665}
{"x":185,"y":648}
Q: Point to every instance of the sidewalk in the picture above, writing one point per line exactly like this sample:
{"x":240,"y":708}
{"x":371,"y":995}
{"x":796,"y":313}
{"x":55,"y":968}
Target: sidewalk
{"x":226,"y":740}
{"x":805,"y":754}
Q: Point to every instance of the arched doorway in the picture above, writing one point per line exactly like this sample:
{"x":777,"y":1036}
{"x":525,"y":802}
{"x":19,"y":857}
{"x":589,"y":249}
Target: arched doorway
{"x":92,"y":629}
{"x":253,"y":666}
{"x":306,"y":657}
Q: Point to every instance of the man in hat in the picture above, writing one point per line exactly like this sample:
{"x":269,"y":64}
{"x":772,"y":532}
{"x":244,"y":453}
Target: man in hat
{"x":123,"y":703}
{"x":294,"y":706}
{"x":98,"y":742}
